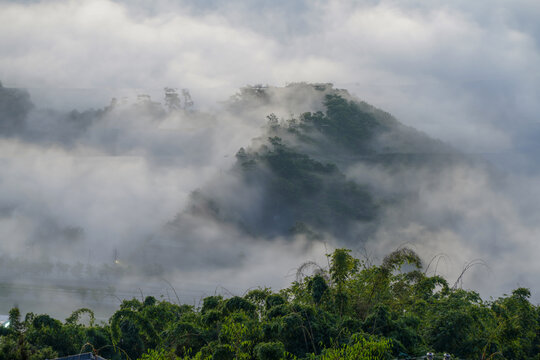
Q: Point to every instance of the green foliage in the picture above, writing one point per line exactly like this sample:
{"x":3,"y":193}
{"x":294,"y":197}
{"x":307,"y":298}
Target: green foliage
{"x":237,"y":303}
{"x":211,"y":317}
{"x":274,"y":300}
{"x":144,"y":324}
{"x":342,"y":266}
{"x":349,"y":311}
{"x":223,"y":352}
{"x":15,"y":323}
{"x":77,"y":314}
{"x":359,"y":348}
{"x":345,"y":123}
{"x":517,"y":333}
{"x":241,"y":333}
{"x":160,"y":354}
{"x":396,"y":259}
{"x":259,"y":297}
{"x":270,"y":351}
{"x":211,"y":303}
{"x":184,"y":337}
{"x":318,"y":287}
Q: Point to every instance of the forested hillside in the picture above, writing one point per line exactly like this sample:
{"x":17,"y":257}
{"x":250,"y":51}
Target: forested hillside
{"x":318,"y":168}
{"x":297,"y":167}
{"x":348,"y":309}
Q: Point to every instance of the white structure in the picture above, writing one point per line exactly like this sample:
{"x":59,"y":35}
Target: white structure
{"x":4,"y":320}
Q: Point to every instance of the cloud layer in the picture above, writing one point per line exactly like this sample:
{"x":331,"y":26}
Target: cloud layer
{"x":466,"y":73}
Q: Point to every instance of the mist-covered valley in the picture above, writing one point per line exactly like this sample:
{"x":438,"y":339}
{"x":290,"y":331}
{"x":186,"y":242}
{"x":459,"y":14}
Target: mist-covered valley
{"x":159,"y":196}
{"x":269,"y":180}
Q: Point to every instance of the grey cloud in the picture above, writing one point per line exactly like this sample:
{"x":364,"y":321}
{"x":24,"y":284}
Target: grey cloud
{"x":463,"y":212}
{"x":457,"y":71}
{"x":464,"y":72}
{"x":14,"y":108}
{"x":78,"y":187}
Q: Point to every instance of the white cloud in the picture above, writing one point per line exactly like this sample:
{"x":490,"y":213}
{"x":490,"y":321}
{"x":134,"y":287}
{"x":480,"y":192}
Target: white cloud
{"x":465,"y":72}
{"x":439,"y":67}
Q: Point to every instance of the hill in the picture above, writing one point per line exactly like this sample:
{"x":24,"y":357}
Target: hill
{"x":296,"y":173}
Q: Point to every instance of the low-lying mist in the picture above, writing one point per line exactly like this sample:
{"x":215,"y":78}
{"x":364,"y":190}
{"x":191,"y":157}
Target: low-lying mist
{"x":97,"y":205}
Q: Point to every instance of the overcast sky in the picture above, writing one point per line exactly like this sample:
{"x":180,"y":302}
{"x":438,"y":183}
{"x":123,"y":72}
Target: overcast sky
{"x":466,"y":72}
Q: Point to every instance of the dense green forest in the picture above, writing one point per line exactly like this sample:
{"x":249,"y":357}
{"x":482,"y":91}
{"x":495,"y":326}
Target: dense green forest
{"x":349,"y":308}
